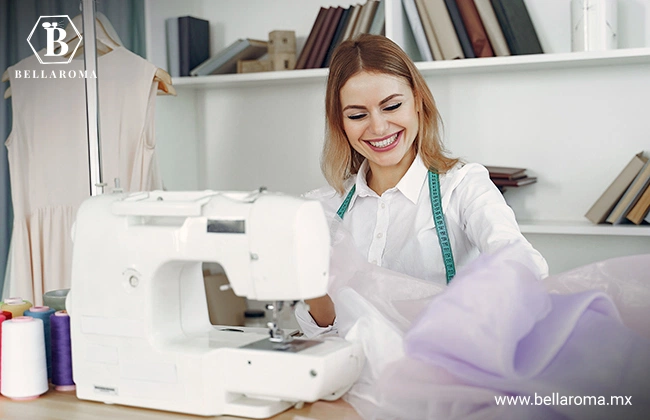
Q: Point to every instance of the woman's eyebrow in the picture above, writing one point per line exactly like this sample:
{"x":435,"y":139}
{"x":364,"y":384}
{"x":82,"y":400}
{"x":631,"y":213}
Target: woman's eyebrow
{"x":383,"y":101}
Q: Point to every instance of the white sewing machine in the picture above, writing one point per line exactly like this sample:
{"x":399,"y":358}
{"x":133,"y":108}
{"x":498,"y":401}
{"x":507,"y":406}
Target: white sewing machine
{"x":140,"y":328}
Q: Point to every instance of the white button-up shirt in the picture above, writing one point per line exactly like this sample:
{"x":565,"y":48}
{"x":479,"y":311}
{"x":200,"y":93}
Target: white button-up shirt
{"x":396,"y":230}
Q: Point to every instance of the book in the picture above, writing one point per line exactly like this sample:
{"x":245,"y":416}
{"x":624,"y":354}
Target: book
{"x":320,"y":36}
{"x":443,"y":27}
{"x":193,"y":42}
{"x":505,"y":172}
{"x":226,"y":60}
{"x":325,"y":38}
{"x":475,"y":29}
{"x":504,"y":182}
{"x":418,"y":30}
{"x":311,"y":38}
{"x":459,"y":26}
{"x":639,"y":211}
{"x":491,"y":24}
{"x":365,"y":17}
{"x":434,"y":45}
{"x":631,"y":196}
{"x":173,"y":48}
{"x":355,"y":10}
{"x":606,"y":202}
{"x":517,"y":27}
{"x":377,"y":27}
{"x":338,"y":36}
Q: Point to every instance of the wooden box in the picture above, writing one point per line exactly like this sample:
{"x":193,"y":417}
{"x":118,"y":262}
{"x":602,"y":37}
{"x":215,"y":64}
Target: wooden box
{"x":254,"y":66}
{"x":282,"y":42}
{"x":283,"y":61}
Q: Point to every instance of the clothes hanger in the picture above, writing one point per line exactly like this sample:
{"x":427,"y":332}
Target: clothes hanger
{"x":107,"y":40}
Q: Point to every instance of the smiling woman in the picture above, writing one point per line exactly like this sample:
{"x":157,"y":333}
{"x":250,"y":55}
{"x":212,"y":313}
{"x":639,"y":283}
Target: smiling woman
{"x":409,"y":206}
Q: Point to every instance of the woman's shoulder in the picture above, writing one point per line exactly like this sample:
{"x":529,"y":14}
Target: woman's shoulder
{"x":466,"y":175}
{"x":323,"y":193}
{"x":463,"y":169}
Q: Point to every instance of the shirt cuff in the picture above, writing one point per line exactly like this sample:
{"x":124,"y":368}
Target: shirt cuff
{"x":309,"y":327}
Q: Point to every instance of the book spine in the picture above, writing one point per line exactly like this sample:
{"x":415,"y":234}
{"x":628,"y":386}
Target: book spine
{"x":475,"y":29}
{"x":311,"y":38}
{"x":517,"y":27}
{"x":328,"y":36}
{"x":459,"y":26}
{"x":320,"y":39}
{"x":184,"y":46}
{"x":444,"y":29}
{"x":491,"y":24}
{"x":338,"y":35}
{"x":418,"y":30}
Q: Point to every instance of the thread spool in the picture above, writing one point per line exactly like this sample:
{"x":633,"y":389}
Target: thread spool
{"x":16,"y":305}
{"x":7,"y":315}
{"x":24,"y":370}
{"x":43,"y":313}
{"x":61,"y":352}
{"x":2,"y":319}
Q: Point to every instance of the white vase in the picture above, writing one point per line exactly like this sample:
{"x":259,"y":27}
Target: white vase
{"x":593,"y":25}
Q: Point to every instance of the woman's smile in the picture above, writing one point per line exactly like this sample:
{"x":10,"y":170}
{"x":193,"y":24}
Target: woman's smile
{"x":385,"y":144}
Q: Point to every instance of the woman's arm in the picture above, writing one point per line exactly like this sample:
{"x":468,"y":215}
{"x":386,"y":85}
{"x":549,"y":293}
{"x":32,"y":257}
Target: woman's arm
{"x":489,"y":222}
{"x":322,"y":310}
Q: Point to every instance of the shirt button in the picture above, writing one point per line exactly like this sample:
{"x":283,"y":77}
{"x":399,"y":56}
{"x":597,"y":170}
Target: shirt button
{"x":374,"y":262}
{"x":379,"y":235}
{"x":383,"y":205}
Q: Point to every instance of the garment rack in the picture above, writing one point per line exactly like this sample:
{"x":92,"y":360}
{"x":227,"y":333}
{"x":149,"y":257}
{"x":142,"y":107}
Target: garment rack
{"x":92,"y":101}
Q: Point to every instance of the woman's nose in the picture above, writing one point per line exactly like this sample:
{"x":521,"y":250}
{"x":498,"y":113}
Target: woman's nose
{"x":378,"y":124}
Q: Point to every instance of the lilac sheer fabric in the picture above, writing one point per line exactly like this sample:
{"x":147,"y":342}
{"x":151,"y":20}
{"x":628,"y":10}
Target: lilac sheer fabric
{"x":496,"y":331}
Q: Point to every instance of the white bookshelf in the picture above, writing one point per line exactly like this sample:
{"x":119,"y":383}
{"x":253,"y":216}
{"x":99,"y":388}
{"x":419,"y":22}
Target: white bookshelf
{"x":571,"y":60}
{"x":573,"y":119}
{"x":581,"y":228}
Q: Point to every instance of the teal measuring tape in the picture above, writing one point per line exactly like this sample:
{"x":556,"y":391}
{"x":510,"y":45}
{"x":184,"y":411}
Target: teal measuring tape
{"x":438,"y":221}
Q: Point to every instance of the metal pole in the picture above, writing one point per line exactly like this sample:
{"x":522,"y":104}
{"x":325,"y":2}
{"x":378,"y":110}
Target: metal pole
{"x":92,"y":102}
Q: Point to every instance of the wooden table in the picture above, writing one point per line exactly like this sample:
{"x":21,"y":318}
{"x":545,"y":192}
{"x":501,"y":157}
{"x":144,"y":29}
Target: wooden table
{"x":55,"y":405}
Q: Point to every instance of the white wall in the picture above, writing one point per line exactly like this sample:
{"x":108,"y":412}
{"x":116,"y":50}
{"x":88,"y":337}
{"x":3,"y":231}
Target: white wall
{"x":573,"y":127}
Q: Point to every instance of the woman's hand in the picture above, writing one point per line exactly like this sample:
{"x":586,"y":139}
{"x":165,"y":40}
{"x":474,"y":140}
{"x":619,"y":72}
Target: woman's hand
{"x":322,"y":310}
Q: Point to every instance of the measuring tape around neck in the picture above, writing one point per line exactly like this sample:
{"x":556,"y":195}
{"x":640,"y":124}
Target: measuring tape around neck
{"x":438,"y":221}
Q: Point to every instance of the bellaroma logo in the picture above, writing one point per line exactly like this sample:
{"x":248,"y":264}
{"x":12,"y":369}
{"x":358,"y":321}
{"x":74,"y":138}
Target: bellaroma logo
{"x":57,"y":51}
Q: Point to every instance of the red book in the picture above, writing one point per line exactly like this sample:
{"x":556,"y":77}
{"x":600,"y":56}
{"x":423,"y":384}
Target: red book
{"x":475,"y":29}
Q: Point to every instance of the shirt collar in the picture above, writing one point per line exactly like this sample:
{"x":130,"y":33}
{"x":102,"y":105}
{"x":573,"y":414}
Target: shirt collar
{"x":410,"y":185}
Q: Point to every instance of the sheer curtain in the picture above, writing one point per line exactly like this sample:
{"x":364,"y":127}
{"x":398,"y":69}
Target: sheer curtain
{"x":17,"y":18}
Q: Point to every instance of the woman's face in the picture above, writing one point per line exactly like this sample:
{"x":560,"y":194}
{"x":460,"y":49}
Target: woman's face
{"x":380,"y":117}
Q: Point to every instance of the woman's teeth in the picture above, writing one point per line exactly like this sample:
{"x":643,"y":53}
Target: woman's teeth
{"x":384,"y":143}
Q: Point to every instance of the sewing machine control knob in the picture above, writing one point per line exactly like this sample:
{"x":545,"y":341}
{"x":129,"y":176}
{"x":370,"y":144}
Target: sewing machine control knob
{"x":131,"y":279}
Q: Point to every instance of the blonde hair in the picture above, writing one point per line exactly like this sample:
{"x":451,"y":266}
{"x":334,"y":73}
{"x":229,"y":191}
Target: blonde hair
{"x":378,"y":54}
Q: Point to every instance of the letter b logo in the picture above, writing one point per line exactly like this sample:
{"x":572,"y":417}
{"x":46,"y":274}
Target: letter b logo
{"x":55,"y":35}
{"x":57,"y":50}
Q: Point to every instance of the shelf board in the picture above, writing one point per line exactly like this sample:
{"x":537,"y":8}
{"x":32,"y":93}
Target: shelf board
{"x":434,"y":68}
{"x":582,"y":228}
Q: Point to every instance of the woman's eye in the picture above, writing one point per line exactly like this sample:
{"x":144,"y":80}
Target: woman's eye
{"x":356,"y":116}
{"x":393,"y":107}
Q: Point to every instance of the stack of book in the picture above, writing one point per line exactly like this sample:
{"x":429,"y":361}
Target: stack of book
{"x":335,"y":24}
{"x":457,"y":29}
{"x":504,"y":176}
{"x":627,"y":198}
